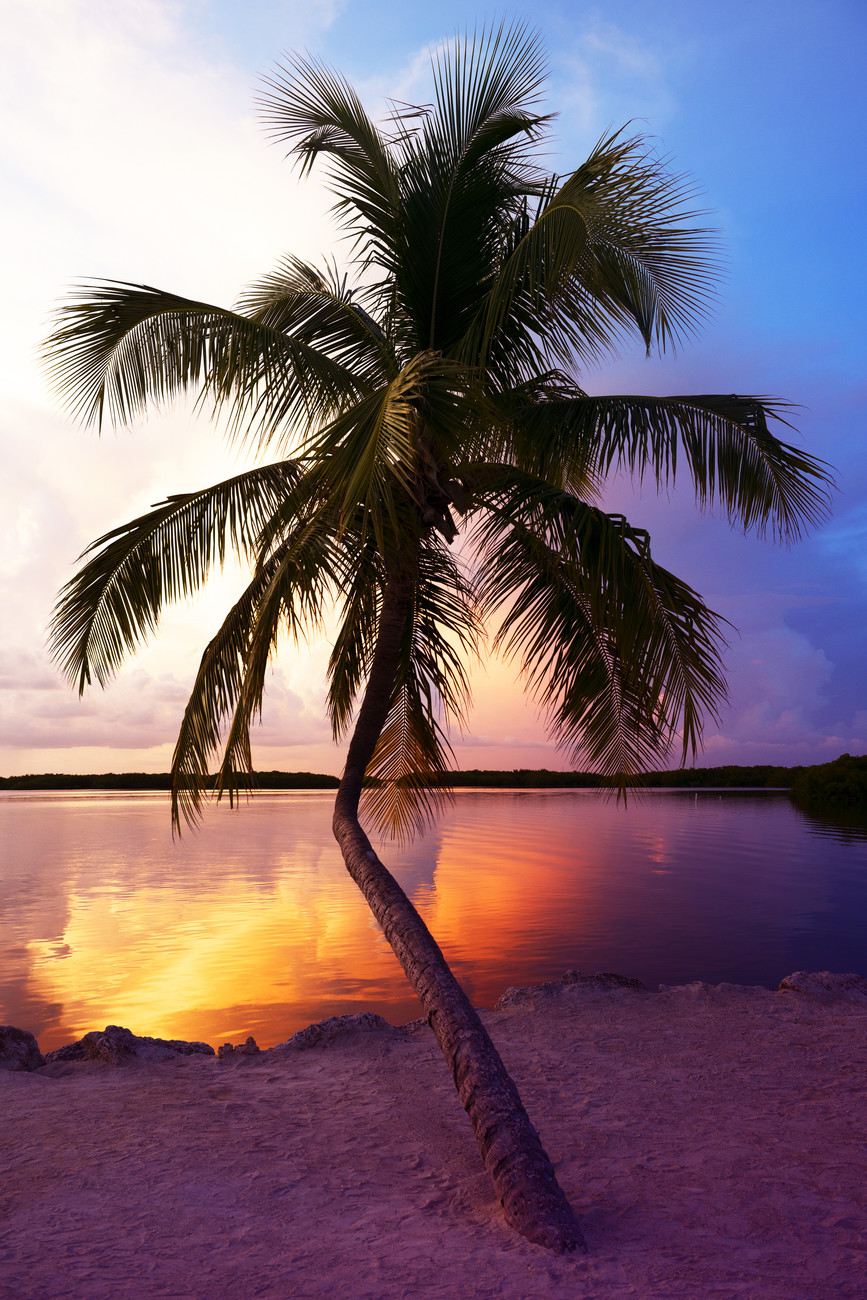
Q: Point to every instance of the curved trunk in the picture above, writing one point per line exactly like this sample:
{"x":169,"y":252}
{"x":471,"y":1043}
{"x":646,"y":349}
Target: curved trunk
{"x":521,"y":1172}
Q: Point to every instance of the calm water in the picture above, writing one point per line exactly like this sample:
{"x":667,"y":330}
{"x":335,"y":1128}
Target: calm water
{"x":253,"y":926}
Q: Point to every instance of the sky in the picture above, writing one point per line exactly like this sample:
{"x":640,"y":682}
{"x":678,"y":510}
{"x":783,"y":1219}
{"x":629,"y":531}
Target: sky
{"x":130,"y":148}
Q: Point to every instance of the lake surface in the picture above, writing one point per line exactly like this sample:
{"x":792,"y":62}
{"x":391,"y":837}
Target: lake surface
{"x":252,"y":926}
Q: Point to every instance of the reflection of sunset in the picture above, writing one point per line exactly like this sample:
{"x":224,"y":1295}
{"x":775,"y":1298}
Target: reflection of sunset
{"x":146,"y":960}
{"x":482,"y":903}
{"x":253,"y":926}
{"x":156,"y":960}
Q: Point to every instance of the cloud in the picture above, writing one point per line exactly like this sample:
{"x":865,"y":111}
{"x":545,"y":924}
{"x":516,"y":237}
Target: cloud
{"x":26,"y":670}
{"x":129,"y":148}
{"x":473,"y":741}
{"x":602,"y":73}
{"x":128,"y":153}
{"x":140,"y":711}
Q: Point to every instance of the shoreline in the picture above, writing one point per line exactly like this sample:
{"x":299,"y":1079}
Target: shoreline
{"x":711,"y":1139}
{"x":730,"y":776}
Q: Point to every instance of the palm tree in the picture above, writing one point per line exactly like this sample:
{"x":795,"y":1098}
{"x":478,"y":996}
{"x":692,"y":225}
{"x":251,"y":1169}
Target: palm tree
{"x":436,"y":399}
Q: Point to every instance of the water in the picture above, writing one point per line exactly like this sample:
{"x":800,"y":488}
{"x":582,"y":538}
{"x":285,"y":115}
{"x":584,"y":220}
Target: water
{"x":253,"y":926}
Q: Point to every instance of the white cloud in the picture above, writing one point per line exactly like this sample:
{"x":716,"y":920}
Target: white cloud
{"x":127,"y":153}
{"x":778,"y":682}
{"x":129,"y":149}
{"x":604,"y":76}
{"x":140,"y":711}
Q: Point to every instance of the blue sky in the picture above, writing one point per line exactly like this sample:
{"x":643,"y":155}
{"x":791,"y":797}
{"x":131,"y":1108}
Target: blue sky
{"x":130,"y":148}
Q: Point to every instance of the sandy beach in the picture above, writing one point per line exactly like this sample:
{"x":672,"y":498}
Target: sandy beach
{"x":711,"y":1139}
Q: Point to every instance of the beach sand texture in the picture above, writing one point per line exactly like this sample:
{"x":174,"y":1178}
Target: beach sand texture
{"x":711,"y":1139}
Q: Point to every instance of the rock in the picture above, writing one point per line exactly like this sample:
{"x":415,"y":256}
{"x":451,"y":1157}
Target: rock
{"x":116,"y":1045}
{"x":602,"y":981}
{"x":19,"y":1050}
{"x":335,"y":1027}
{"x":182,"y":1047}
{"x":700,"y":991}
{"x":824,"y":986}
{"x":419,"y":1026}
{"x":245,"y":1049}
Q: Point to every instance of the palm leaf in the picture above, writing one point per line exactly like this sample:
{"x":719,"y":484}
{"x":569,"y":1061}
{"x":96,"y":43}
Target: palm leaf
{"x":114,"y":602}
{"x":318,"y":310}
{"x":370,"y":456}
{"x":119,"y":346}
{"x":464,"y":172}
{"x":405,"y":775}
{"x":361,"y":582}
{"x":724,"y":440}
{"x":650,"y":265}
{"x":623,"y":655}
{"x":213,"y":698}
{"x":287,"y":592}
{"x":317,"y":111}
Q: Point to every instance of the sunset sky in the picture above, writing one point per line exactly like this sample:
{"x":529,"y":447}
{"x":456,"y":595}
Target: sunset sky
{"x":130,"y":148}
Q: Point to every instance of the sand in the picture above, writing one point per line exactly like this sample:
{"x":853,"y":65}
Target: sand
{"x":710,"y":1139}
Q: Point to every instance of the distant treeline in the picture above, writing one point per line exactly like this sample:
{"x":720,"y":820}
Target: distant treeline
{"x":843,"y":782}
{"x":761,"y":777}
{"x":157,"y":781}
{"x":521,"y":778}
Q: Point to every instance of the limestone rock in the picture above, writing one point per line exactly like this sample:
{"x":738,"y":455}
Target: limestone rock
{"x":419,"y":1026}
{"x":249,"y":1048}
{"x":602,"y":981}
{"x":116,"y":1045}
{"x":699,"y":991}
{"x":825,"y":986}
{"x":19,"y":1050}
{"x":335,"y":1027}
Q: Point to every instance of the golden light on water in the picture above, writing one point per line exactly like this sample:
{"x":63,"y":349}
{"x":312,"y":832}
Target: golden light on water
{"x":190,"y":957}
{"x":252,"y":926}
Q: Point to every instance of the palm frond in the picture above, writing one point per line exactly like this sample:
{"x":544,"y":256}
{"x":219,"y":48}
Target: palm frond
{"x":369,"y":455}
{"x":287,"y":593}
{"x":316,"y":110}
{"x":530,"y":291}
{"x":362,"y":581}
{"x":484,"y":86}
{"x":608,"y":248}
{"x":724,"y":440}
{"x":318,"y":310}
{"x":465,"y":172}
{"x":650,"y":265}
{"x":213,"y":698}
{"x":623,"y":655}
{"x":404,"y":777}
{"x":118,"y":347}
{"x":114,"y":602}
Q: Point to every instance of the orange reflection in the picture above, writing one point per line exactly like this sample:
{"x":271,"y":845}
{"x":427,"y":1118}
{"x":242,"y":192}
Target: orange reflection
{"x":512,"y":878}
{"x":153,"y":962}
{"x":253,"y":926}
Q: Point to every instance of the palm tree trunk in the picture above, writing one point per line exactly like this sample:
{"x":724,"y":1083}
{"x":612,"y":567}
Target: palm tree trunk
{"x":521,"y":1172}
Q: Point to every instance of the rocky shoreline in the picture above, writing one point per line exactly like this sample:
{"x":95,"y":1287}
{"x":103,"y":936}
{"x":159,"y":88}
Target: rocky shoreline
{"x":117,"y":1045}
